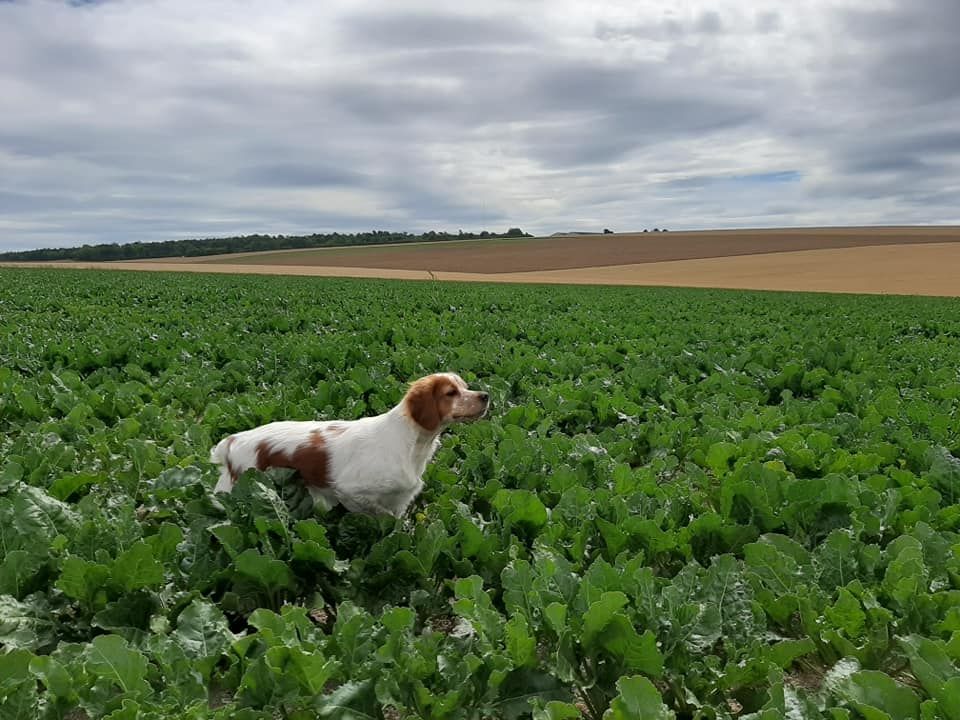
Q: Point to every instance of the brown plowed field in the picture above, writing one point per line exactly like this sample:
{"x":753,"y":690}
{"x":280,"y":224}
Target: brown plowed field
{"x":561,"y":253}
{"x":925,"y":269}
{"x":905,"y":261}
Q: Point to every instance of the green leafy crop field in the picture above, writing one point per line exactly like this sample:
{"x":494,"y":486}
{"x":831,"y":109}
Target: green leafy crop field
{"x":690,"y":504}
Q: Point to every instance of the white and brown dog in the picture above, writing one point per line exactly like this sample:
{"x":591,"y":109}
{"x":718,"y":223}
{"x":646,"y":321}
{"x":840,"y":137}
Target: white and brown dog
{"x":373,"y":464}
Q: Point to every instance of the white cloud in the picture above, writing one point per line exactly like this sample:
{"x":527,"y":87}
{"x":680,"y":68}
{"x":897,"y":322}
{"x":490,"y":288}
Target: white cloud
{"x":131,"y":120}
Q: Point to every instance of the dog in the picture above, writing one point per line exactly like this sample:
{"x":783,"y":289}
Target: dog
{"x":372,"y":465}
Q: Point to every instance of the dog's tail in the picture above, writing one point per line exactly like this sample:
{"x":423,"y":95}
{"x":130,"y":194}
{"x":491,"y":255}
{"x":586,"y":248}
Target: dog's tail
{"x":218,"y":455}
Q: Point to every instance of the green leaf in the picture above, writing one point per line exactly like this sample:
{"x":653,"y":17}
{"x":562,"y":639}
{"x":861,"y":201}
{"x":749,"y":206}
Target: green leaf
{"x":777,"y":571}
{"x":870,"y":690}
{"x":790,"y":548}
{"x":203,"y":633}
{"x":269,"y":511}
{"x":719,"y":456}
{"x":521,"y":688}
{"x":522,"y":508}
{"x":353,"y":635}
{"x":932,"y":666}
{"x":30,"y":520}
{"x":638,"y":699}
{"x":129,"y":615}
{"x":110,"y":657}
{"x":24,"y":625}
{"x":182,"y":681}
{"x":474,"y":605}
{"x":231,"y":537}
{"x":14,"y":669}
{"x":66,"y":485}
{"x":350,"y":701}
{"x":164,"y":543}
{"x":273,"y":575}
{"x":600,"y":614}
{"x":949,"y":698}
{"x":314,"y":546}
{"x":137,"y":568}
{"x":614,"y":538}
{"x":847,"y":614}
{"x":312,"y":670}
{"x":129,"y":710}
{"x":266,"y":681}
{"x":521,"y":645}
{"x":724,"y":587}
{"x":906,"y":575}
{"x":20,"y":703}
{"x":556,"y":615}
{"x":784,"y":653}
{"x":398,"y":620}
{"x":16,"y":571}
{"x":10,"y":475}
{"x":430,"y":540}
{"x":273,"y":628}
{"x":836,"y":560}
{"x":54,"y":676}
{"x":556,"y":710}
{"x":607,"y":628}
{"x":177,"y":482}
{"x":84,"y":580}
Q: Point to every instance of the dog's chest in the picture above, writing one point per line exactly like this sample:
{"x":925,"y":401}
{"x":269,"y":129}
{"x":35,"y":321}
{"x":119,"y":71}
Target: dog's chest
{"x":379,"y":465}
{"x":383,"y":467}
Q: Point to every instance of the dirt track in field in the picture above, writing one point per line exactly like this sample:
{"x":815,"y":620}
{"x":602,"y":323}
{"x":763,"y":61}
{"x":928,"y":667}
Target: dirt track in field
{"x":562,"y":253}
{"x":911,"y":269}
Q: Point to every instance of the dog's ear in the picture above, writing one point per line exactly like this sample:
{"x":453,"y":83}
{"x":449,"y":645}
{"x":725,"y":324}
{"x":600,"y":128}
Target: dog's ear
{"x":422,"y":404}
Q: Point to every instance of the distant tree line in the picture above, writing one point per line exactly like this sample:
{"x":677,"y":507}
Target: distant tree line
{"x":244,"y":243}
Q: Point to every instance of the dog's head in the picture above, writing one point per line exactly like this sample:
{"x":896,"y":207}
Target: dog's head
{"x":437,"y":400}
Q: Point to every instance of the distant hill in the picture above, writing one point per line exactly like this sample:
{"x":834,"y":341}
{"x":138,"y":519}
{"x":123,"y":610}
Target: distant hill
{"x":242,"y":244}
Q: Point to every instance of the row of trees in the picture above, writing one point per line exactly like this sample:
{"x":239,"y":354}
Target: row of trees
{"x":245,"y":243}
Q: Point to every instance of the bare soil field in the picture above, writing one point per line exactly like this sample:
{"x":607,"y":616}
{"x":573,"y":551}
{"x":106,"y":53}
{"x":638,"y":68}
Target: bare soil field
{"x":562,"y":253}
{"x":928,"y":268}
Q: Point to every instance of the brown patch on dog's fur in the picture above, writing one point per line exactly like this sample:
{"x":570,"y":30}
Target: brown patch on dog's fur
{"x":427,"y":401}
{"x":310,"y":460}
{"x":231,"y":468}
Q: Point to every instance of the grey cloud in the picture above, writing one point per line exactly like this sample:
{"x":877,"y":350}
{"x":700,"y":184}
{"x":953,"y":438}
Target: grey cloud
{"x":420,"y":31}
{"x":577,"y":112}
{"x":881,"y":163}
{"x":913,"y":48}
{"x":885,"y":103}
{"x":291,"y":174}
{"x":643,"y":94}
{"x":635,"y":124}
{"x":106,"y":139}
{"x":383,"y":103}
{"x":419,"y":205}
{"x":12,"y":202}
{"x":709,"y":23}
{"x":607,"y":112}
{"x":939,"y":142}
{"x":768,"y":22}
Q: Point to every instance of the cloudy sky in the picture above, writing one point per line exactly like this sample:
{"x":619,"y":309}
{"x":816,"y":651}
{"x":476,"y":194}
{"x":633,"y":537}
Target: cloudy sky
{"x":155,"y":119}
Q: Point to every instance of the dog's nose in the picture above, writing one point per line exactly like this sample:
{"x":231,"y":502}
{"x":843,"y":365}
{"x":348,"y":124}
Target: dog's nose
{"x":484,"y":396}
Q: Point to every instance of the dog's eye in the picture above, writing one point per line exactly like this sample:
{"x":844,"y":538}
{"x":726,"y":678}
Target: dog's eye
{"x":451,"y":392}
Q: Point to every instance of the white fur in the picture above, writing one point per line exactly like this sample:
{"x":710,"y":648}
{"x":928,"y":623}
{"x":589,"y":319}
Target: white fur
{"x":375,"y":464}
